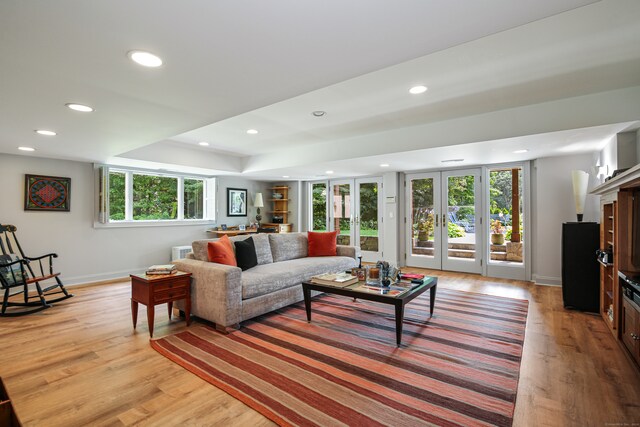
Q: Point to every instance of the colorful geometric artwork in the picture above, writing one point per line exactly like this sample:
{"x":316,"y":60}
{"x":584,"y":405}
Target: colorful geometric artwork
{"x":47,"y":193}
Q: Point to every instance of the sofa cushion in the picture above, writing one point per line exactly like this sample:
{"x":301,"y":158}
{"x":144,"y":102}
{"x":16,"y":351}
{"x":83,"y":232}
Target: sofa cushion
{"x":267,"y":278}
{"x":263,"y":248}
{"x":286,"y":246}
{"x":199,"y":248}
{"x":246,"y":254}
{"x":221,"y":251}
{"x":322,"y":244}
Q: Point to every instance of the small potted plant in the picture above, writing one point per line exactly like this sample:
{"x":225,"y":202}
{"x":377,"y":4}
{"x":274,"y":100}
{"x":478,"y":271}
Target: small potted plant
{"x":497,"y":232}
{"x":425,"y":229}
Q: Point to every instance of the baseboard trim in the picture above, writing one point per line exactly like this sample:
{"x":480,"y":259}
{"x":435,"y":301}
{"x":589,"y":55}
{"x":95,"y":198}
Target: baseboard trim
{"x":101,"y":278}
{"x":546,"y":280}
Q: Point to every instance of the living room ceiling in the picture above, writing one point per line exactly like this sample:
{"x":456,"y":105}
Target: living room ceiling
{"x":498,"y":72}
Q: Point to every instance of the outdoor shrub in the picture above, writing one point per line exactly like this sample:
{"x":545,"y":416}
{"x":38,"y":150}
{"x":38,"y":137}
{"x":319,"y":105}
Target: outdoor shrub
{"x":455,"y":230}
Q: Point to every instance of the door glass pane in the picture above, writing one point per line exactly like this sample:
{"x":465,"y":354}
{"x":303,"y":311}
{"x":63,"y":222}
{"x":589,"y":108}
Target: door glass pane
{"x":319,"y":207}
{"x":422,"y":217}
{"x":505,"y":212}
{"x":193,"y":198}
{"x":154,"y":197}
{"x":368,"y":219}
{"x":461,"y":217}
{"x":342,"y":212}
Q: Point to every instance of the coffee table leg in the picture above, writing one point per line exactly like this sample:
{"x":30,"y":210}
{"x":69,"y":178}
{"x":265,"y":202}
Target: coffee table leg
{"x":432,"y":299}
{"x":307,"y":301}
{"x":399,"y":321}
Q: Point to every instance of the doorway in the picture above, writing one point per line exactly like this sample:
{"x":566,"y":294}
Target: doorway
{"x":443,"y":212}
{"x":353,"y":206}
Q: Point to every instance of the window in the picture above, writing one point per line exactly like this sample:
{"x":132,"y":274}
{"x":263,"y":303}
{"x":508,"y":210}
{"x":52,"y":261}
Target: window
{"x":319,"y":206}
{"x":144,"y":196}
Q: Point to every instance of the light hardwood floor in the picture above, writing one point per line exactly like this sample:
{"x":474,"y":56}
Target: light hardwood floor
{"x":80,"y":363}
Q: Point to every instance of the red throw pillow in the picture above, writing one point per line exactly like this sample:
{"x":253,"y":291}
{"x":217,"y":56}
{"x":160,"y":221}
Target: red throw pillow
{"x":322,"y":244}
{"x":221,"y":251}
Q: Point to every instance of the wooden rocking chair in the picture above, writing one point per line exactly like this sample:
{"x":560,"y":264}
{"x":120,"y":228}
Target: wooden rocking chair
{"x":16,"y":272}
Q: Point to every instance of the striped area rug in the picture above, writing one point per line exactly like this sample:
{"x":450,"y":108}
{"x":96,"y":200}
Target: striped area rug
{"x":460,"y":368}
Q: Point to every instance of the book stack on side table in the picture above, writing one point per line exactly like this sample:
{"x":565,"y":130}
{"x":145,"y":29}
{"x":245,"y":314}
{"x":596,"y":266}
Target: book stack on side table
{"x":161,"y":269}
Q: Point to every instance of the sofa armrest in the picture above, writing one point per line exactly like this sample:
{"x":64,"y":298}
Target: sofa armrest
{"x":348,"y":251}
{"x":216,"y":291}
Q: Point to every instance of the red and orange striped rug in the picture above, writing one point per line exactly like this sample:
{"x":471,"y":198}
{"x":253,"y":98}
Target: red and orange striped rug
{"x":459,"y":368}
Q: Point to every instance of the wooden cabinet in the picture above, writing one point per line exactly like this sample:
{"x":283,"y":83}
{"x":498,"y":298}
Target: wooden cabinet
{"x":618,"y":223}
{"x":8,"y":415}
{"x":609,"y":289}
{"x":159,"y":289}
{"x":630,"y":328}
{"x":279,"y":199}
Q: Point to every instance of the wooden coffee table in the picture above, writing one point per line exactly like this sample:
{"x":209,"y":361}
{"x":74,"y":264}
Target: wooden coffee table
{"x":160,"y":289}
{"x":430,"y":283}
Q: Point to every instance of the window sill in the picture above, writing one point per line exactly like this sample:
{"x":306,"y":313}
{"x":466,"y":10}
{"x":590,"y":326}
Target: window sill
{"x":159,"y":223}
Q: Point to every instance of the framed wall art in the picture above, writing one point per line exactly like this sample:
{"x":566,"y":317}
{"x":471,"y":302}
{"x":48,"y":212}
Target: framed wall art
{"x":47,"y":193}
{"x":236,"y":202}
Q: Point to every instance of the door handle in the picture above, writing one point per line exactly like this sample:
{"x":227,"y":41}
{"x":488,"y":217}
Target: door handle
{"x":437,"y":225}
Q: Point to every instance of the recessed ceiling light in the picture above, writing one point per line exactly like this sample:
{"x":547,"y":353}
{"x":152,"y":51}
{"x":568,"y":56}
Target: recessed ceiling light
{"x":26,"y":149}
{"x":46,"y":132}
{"x":418,"y":89}
{"x":285,"y":176}
{"x":329,"y":172}
{"x":319,"y":113}
{"x":204,"y":143}
{"x":384,"y":165}
{"x":252,"y":131}
{"x":520,"y":151}
{"x":145,"y":59}
{"x":452,"y":160}
{"x":79,"y":107}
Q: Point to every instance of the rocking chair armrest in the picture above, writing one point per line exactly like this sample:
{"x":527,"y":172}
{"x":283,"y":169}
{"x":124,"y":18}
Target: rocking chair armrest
{"x":52,"y":255}
{"x":18,"y":261}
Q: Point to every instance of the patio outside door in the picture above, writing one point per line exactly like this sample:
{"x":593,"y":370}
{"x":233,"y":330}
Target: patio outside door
{"x":442,"y":210}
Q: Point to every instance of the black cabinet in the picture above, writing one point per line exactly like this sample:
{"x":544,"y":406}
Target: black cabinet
{"x":580,"y":268}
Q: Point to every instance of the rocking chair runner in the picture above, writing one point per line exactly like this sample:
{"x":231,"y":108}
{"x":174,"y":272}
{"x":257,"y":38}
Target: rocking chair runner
{"x":16,"y":272}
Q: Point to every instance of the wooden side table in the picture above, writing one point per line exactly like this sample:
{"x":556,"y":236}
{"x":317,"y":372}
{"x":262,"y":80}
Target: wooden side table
{"x":159,"y":289}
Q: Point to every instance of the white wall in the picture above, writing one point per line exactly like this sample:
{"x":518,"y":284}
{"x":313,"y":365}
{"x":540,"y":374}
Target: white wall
{"x":391,"y":241}
{"x":89,"y":254}
{"x":553,"y":204}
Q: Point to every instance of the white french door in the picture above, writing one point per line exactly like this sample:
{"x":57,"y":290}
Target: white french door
{"x":422,"y":224}
{"x":442,"y":211}
{"x":461,"y":207}
{"x":356,"y":210}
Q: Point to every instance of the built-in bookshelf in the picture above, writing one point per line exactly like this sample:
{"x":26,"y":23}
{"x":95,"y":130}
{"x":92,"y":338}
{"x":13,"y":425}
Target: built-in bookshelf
{"x":279,"y":215}
{"x":608,"y":272}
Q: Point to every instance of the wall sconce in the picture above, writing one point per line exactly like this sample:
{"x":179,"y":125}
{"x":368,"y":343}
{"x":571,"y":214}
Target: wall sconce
{"x":258,"y":203}
{"x":580,"y":183}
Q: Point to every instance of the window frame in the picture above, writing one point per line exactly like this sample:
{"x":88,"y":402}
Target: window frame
{"x":102,"y":218}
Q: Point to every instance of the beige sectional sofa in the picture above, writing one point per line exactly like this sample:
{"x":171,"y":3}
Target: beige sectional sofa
{"x":227,"y":295}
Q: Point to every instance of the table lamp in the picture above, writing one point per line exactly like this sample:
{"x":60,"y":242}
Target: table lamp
{"x":258,"y":203}
{"x":580,"y":182}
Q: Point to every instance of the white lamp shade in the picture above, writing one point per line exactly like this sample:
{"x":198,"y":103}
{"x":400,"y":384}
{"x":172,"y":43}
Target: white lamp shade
{"x":258,"y":202}
{"x":580,"y":183}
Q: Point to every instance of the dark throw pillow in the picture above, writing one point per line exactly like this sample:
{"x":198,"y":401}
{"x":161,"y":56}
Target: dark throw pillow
{"x":246,"y":254}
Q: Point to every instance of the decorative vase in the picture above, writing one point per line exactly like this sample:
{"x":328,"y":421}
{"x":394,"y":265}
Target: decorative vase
{"x":497,"y":239}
